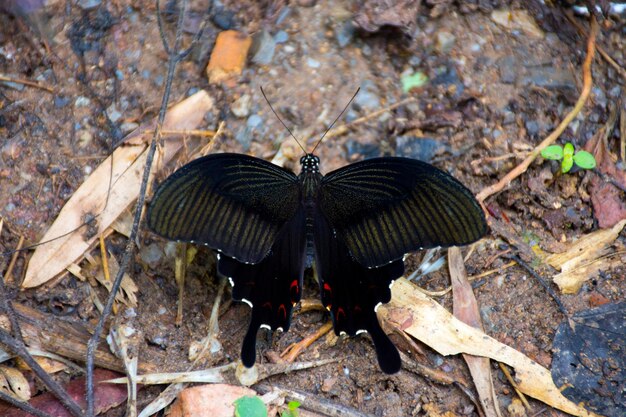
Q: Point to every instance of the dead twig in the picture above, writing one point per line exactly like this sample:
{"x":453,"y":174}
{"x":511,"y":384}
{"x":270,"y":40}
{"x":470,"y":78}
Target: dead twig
{"x":16,"y":344}
{"x":291,"y":353}
{"x":584,"y":95}
{"x":26,"y":82}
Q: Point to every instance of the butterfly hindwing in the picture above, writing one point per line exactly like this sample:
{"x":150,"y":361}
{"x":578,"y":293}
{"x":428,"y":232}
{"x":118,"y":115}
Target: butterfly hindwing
{"x":351,"y":292}
{"x":384,"y":208}
{"x":234,"y":203}
{"x":272,"y":286}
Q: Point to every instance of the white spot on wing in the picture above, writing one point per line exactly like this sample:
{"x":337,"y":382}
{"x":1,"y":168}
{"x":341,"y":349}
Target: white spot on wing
{"x":361,"y":331}
{"x":247,"y":302}
{"x":342,"y":333}
{"x":377,"y":307}
{"x":265,"y":326}
{"x":232,"y":283}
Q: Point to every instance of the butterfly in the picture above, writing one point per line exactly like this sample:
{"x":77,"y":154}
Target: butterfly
{"x":355,"y":223}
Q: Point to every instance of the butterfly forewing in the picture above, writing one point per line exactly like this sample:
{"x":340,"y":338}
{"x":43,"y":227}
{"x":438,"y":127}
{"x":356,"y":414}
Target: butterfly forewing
{"x":234,"y":203}
{"x":385,"y":207}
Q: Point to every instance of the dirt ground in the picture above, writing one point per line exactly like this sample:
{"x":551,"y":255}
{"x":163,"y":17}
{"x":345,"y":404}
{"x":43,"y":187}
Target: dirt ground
{"x":492,"y":94}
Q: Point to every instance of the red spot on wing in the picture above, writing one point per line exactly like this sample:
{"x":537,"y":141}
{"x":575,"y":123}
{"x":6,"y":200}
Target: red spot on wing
{"x":282,"y":311}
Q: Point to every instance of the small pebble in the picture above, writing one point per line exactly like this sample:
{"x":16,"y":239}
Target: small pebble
{"x":223,"y":18}
{"x":241,"y":106}
{"x":281,"y":36}
{"x":151,"y":255}
{"x":254,"y":121}
{"x":344,"y":33}
{"x":263,"y":48}
{"x":82,"y":101}
{"x":312,"y":63}
{"x":61,"y":101}
{"x":444,"y":42}
{"x":289,"y":49}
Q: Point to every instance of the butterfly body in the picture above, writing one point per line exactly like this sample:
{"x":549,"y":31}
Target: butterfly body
{"x":356,"y":223}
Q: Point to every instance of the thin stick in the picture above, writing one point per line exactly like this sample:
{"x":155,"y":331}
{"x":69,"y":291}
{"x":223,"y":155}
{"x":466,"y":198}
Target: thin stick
{"x":8,"y":276}
{"x":291,"y":353}
{"x":587,"y":83}
{"x":26,"y":82}
{"x":509,"y":377}
{"x":16,"y":345}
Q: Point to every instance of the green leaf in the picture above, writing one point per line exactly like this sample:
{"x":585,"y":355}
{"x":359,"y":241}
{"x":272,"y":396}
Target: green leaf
{"x":292,"y":405}
{"x":567,"y":163}
{"x":585,"y":160}
{"x":553,"y":152}
{"x":250,"y":406}
{"x":568,"y":150}
{"x":415,"y":80}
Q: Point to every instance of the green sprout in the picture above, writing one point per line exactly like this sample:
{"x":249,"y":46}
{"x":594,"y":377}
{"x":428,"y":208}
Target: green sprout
{"x":292,"y":409}
{"x":568,"y":158}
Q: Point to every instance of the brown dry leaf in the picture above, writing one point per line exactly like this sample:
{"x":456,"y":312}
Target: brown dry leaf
{"x":208,"y":400}
{"x":449,"y":336}
{"x":585,"y":257}
{"x":609,"y":206}
{"x":124,"y":178}
{"x":465,"y":309}
{"x":229,"y":56}
{"x":517,"y":20}
{"x":14,"y":383}
{"x":128,"y":293}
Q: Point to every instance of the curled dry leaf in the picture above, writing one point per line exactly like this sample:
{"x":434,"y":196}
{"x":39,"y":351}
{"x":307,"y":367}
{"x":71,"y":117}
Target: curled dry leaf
{"x":585,"y":257}
{"x":108,"y":191}
{"x":448,"y":336}
{"x":14,"y":383}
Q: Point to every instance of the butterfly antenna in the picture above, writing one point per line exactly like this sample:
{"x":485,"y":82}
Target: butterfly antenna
{"x":281,"y":121}
{"x":338,"y":117}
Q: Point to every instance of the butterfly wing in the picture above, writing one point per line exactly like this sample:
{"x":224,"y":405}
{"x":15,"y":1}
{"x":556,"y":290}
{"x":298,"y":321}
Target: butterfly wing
{"x":234,"y":203}
{"x":351,"y":292}
{"x":273,"y":286}
{"x":385,"y":207}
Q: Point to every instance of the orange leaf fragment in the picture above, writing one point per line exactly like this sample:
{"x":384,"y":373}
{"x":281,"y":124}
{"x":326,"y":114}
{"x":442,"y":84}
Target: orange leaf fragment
{"x":229,"y":55}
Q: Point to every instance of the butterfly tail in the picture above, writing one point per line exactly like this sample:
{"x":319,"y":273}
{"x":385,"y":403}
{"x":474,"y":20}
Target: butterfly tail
{"x":387,"y":354}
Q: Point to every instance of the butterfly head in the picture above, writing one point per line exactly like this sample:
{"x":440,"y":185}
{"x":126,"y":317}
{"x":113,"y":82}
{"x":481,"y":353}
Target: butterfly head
{"x":310,"y":163}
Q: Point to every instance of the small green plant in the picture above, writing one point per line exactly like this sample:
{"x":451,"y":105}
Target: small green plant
{"x":292,"y":409}
{"x":568,"y":158}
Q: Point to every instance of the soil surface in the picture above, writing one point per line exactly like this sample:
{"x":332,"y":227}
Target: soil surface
{"x":491,"y":93}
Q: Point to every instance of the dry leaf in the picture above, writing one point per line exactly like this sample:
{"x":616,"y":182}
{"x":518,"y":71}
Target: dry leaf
{"x":229,"y":56}
{"x":585,"y":257}
{"x":466,"y":309}
{"x":517,"y":20}
{"x":14,"y":383}
{"x":449,"y":336}
{"x":95,"y":197}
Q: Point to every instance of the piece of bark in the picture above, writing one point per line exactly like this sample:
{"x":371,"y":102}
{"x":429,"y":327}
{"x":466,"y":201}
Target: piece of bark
{"x":65,"y":338}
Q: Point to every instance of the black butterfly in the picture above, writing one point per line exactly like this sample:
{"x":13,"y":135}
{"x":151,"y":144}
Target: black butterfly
{"x":356,"y":223}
